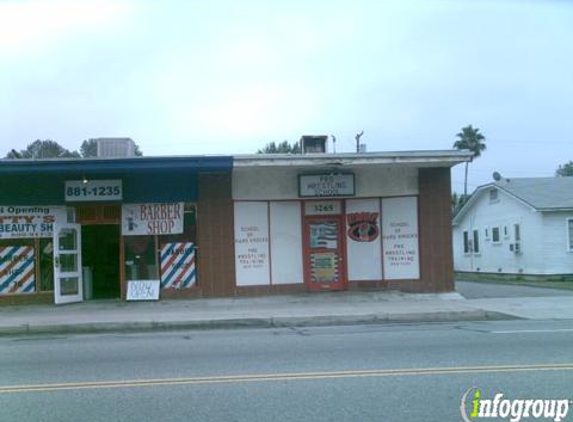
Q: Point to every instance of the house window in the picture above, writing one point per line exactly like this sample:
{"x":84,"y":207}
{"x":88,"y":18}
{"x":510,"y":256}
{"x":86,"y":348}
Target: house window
{"x":505,"y":232}
{"x":466,"y":242}
{"x":517,"y":233}
{"x":493,"y":195}
{"x":486,"y":234}
{"x":476,"y":241}
{"x":570,"y":234}
{"x":495,"y":235}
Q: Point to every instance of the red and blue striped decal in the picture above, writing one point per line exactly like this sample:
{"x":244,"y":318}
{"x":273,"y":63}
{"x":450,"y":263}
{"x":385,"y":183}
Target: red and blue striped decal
{"x":17,"y":270}
{"x":178,"y":265}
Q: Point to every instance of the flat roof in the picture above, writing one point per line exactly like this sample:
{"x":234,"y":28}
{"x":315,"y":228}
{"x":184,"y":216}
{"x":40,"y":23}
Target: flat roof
{"x":433,"y":158}
{"x":125,"y":164}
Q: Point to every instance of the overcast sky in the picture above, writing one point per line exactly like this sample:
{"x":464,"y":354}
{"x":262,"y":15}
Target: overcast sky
{"x":224,"y":77}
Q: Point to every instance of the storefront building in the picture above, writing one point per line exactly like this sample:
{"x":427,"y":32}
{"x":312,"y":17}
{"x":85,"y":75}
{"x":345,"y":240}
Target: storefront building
{"x":316,"y":222}
{"x":80,"y":229}
{"x":183,"y":227}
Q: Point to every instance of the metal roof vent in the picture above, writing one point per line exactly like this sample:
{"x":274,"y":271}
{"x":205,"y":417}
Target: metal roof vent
{"x":115,"y":147}
{"x":313,"y":144}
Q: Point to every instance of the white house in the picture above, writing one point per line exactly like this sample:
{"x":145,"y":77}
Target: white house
{"x":517,"y":226}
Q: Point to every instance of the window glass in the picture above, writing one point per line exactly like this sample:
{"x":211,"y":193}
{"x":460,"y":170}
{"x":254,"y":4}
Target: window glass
{"x":493,"y":195}
{"x":17,"y":266}
{"x":140,"y":261}
{"x":46,"y":264}
{"x":495,"y":234}
{"x":570,"y":230}
{"x":476,"y":241}
{"x":178,"y":254}
{"x":466,"y":243}
{"x":517,"y":233}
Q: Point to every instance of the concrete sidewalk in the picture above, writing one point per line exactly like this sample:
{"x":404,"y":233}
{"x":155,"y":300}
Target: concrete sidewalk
{"x":334,"y":308}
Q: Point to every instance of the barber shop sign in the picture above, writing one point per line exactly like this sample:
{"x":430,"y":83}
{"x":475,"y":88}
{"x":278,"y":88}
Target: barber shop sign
{"x":150,"y":219}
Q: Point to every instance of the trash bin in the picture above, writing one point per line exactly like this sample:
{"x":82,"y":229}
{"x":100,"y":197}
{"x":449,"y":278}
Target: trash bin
{"x":87,"y":276}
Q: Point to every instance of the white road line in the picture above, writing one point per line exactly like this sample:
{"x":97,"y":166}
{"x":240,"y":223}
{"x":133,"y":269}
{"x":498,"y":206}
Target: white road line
{"x":551,"y":330}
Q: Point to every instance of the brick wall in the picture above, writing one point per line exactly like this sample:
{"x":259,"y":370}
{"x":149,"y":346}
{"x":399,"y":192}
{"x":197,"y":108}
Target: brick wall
{"x":435,"y":217}
{"x":215,"y":236}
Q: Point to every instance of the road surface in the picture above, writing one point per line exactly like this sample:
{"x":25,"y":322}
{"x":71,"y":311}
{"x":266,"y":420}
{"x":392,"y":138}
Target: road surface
{"x":403,"y":372}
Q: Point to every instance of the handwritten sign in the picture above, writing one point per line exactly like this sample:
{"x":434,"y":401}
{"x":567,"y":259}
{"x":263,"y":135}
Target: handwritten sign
{"x":143,"y":290}
{"x":313,"y":185}
{"x":149,"y":219}
{"x":400,"y":238}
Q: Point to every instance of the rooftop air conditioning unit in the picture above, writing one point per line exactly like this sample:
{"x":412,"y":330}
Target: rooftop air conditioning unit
{"x":313,"y":144}
{"x":115,"y":147}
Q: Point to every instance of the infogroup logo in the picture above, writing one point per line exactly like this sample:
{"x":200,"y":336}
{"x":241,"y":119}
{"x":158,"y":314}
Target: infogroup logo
{"x":512,"y":409}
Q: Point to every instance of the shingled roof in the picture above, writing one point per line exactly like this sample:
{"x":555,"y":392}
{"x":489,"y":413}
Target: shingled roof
{"x":540,"y":193}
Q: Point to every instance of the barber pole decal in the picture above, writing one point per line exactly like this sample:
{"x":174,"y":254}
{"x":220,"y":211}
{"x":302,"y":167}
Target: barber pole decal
{"x":16,"y":269}
{"x":178,"y":265}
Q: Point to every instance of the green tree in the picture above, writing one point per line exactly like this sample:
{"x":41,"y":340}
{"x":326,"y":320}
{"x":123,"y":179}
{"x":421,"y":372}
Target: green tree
{"x":457,"y":202}
{"x":281,"y":148}
{"x":43,"y":149}
{"x":565,"y":169}
{"x":471,"y":139}
{"x":89,"y":149}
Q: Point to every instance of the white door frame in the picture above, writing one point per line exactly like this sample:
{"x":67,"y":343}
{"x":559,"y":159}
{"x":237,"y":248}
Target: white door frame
{"x":59,"y":252}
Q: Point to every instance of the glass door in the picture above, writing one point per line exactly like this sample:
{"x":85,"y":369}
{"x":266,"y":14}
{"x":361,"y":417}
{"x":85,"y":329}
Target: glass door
{"x":324,"y":254}
{"x":67,"y":263}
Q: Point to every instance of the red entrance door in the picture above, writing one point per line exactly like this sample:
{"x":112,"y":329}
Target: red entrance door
{"x":324,"y":265}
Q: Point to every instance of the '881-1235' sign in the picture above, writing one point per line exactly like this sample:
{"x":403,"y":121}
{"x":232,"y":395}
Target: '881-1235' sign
{"x":93,"y":190}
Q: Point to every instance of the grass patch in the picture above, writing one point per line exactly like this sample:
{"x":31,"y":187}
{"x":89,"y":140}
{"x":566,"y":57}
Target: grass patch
{"x":555,"y":282}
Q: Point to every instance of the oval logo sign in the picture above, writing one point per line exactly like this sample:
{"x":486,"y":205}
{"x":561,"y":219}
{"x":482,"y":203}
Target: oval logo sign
{"x":363,"y":226}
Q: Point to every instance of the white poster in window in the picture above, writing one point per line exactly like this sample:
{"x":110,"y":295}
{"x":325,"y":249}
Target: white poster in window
{"x":286,"y":239}
{"x":363,"y":243}
{"x":400,"y":238}
{"x":29,"y":221}
{"x":149,"y":219}
{"x":252,"y":243}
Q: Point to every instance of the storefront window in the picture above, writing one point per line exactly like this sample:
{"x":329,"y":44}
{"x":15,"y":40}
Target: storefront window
{"x":178,"y":254}
{"x":168,"y":257}
{"x":140,"y":261}
{"x":46,"y":251}
{"x":17,"y":266}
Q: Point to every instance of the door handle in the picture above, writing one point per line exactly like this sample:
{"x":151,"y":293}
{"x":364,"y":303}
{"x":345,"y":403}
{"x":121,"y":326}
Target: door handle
{"x":57,"y":261}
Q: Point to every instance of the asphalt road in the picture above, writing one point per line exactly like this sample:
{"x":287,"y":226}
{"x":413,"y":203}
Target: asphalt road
{"x":402,"y":372}
{"x":475,"y":290}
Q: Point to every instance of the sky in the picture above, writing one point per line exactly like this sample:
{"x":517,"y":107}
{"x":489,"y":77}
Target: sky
{"x":226,"y":77}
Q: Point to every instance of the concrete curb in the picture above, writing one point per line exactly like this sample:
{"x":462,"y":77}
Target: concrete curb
{"x":262,"y":322}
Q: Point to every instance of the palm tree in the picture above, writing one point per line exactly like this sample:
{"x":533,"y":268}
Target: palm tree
{"x":470,"y":138}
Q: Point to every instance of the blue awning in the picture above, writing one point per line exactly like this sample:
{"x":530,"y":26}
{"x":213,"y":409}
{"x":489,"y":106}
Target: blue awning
{"x":117,"y":165}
